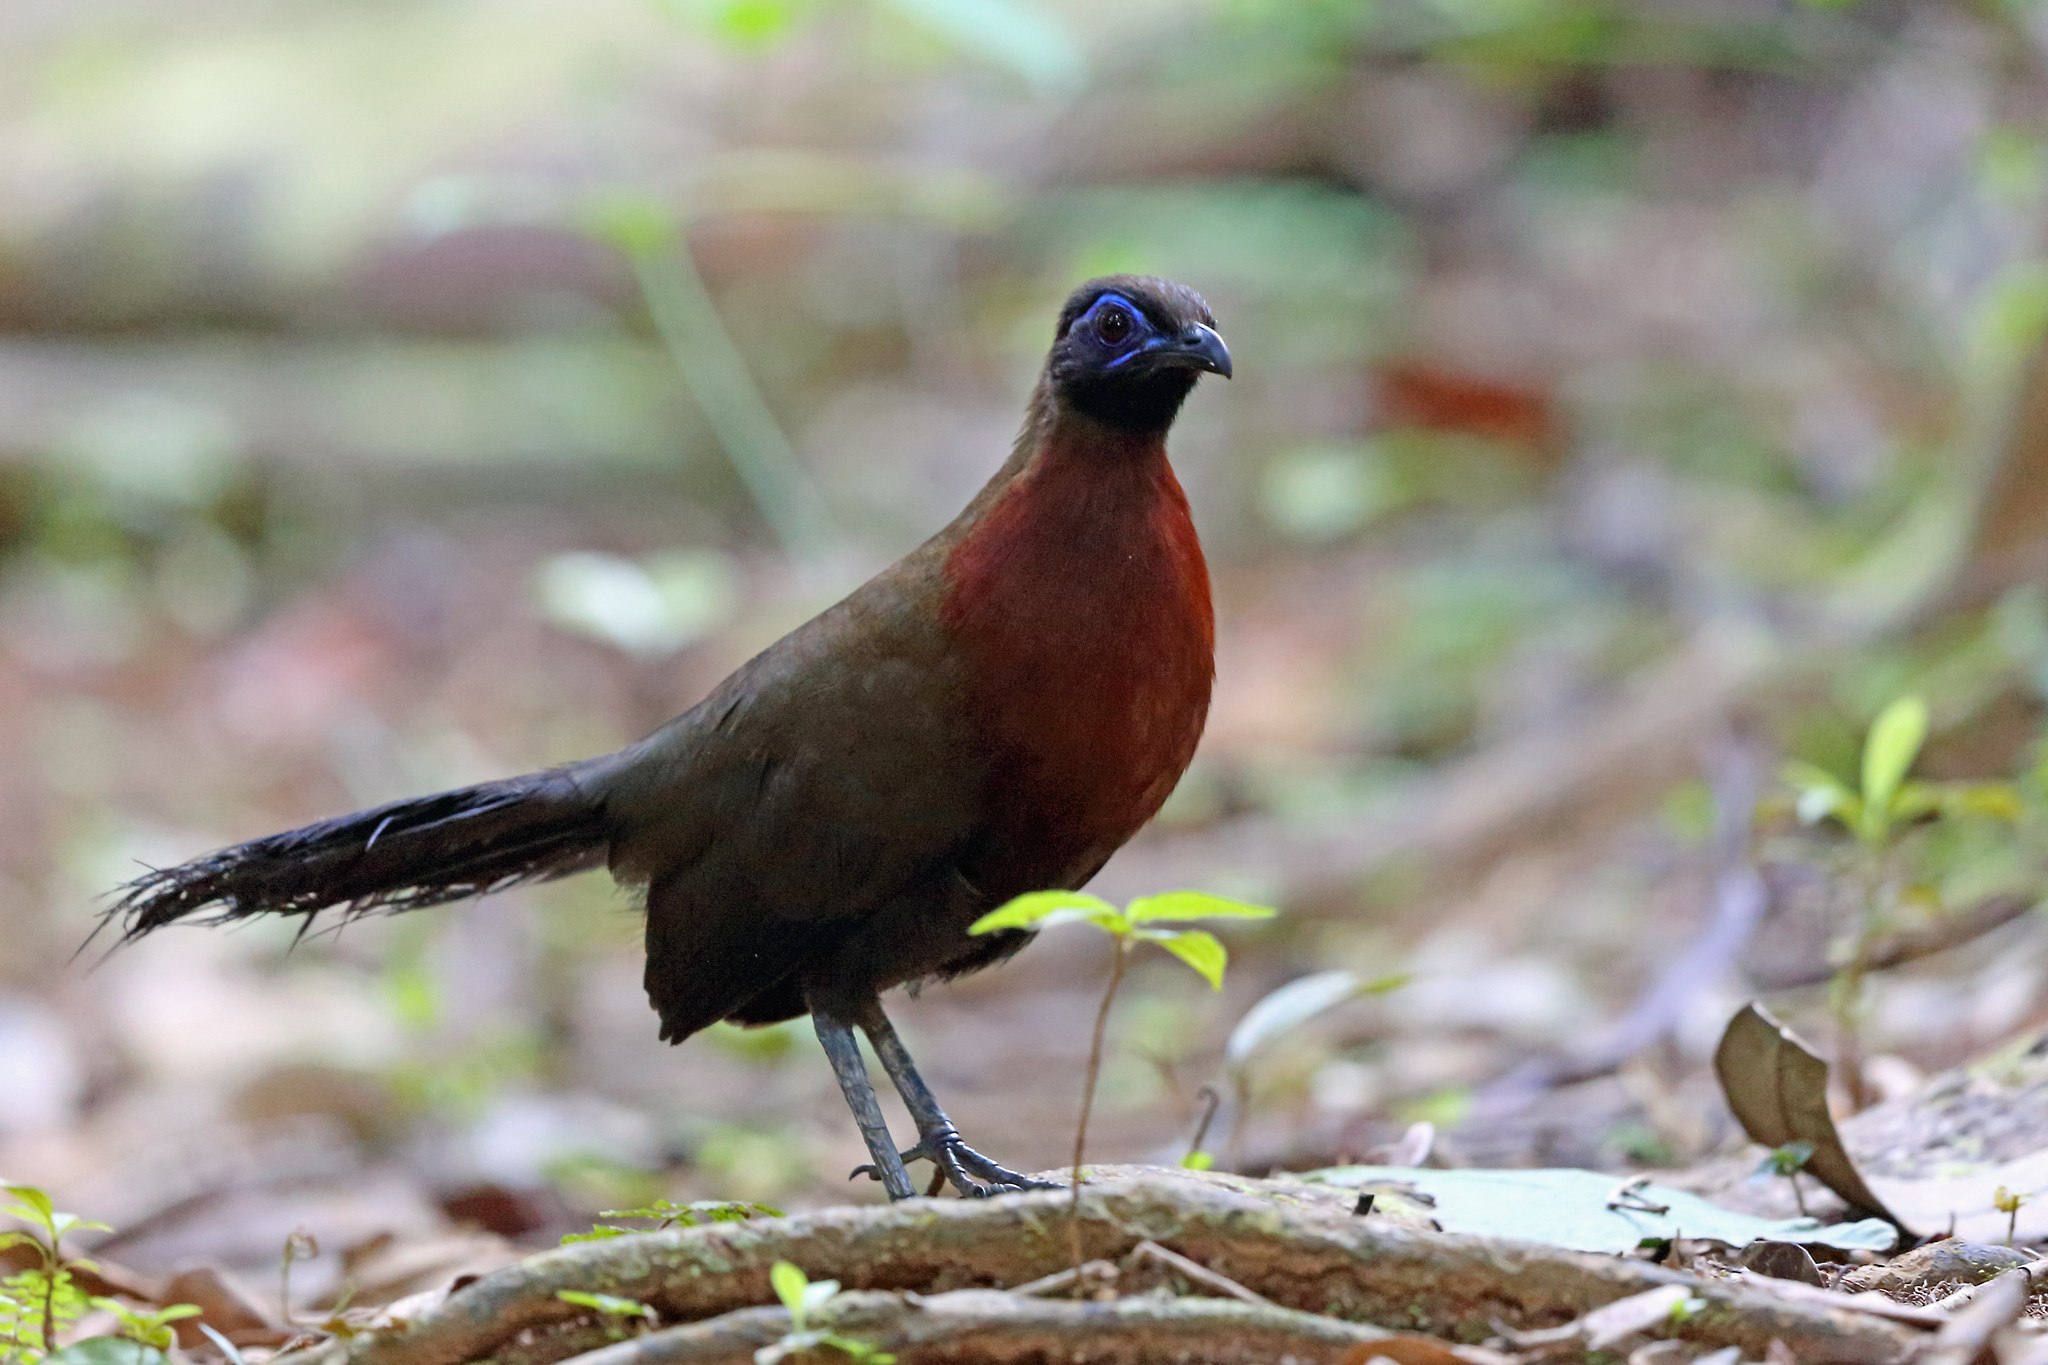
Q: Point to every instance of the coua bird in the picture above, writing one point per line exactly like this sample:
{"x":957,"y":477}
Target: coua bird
{"x":996,"y":713}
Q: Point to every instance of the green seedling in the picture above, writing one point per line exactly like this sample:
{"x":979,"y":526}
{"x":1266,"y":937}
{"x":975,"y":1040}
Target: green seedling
{"x":148,"y":1326}
{"x":39,"y":1303}
{"x":1787,"y":1162}
{"x":665,"y":1214}
{"x":1143,"y":921}
{"x":810,"y":1312}
{"x":2008,"y":1202}
{"x":1878,"y":811}
{"x":1884,"y":802}
{"x":616,"y":1313}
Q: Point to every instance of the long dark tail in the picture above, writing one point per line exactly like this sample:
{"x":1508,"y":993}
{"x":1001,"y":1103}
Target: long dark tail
{"x":402,"y":856}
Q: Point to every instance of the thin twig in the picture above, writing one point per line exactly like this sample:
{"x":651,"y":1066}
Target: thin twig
{"x":1105,"y":1272}
{"x":1196,"y":1271}
{"x":1212,"y":1100}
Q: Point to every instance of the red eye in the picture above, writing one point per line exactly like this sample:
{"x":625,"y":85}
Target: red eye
{"x":1113,"y":325}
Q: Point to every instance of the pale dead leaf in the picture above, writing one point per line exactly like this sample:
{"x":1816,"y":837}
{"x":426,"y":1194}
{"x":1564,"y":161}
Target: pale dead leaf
{"x":1965,"y":1203}
{"x":1626,"y":1317}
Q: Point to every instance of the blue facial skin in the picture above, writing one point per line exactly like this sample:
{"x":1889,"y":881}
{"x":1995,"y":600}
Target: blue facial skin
{"x":1199,"y":348}
{"x":1118,"y":365}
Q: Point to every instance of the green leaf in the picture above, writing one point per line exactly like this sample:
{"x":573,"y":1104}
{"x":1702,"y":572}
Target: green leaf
{"x":864,"y":1351}
{"x":818,"y":1293}
{"x":63,"y":1223}
{"x":1197,"y":947}
{"x":694,"y":1212}
{"x":789,"y":1284}
{"x":1287,"y":1008}
{"x":30,"y":1195}
{"x":1788,"y":1159}
{"x":1895,"y":739}
{"x":1191,"y":905}
{"x":1038,"y":909}
{"x":636,"y":223}
{"x":1821,"y":795}
{"x":611,"y":1305}
{"x":725,"y":1211}
{"x":107,"y":1351}
{"x":176,"y":1312}
{"x":1982,"y":800}
{"x":602,"y":1232}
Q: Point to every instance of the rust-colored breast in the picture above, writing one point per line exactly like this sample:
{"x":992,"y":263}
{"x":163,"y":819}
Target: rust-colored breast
{"x":1081,"y":602}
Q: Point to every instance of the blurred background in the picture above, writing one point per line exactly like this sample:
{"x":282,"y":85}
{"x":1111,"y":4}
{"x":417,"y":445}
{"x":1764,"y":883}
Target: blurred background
{"x":1632,"y":398}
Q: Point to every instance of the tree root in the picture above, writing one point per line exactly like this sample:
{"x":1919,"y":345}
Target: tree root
{"x":988,"y":1325}
{"x":1299,"y":1245}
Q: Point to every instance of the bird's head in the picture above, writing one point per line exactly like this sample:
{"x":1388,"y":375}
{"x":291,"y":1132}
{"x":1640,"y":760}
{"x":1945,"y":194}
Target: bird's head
{"x":1130,"y":348}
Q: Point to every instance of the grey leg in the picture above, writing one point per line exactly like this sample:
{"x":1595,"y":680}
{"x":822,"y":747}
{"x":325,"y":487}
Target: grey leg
{"x":843,"y":1052}
{"x":938,"y":1141}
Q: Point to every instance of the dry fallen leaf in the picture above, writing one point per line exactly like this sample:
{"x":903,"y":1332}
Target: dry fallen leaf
{"x":226,"y":1305}
{"x":1778,"y":1088}
{"x":1417,"y":1350}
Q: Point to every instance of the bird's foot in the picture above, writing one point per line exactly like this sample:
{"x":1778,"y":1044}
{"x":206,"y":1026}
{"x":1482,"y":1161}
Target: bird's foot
{"x":966,"y":1170}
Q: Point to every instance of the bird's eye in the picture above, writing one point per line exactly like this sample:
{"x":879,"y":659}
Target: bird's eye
{"x":1113,"y":325}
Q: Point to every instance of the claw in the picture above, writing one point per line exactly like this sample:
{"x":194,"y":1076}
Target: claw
{"x":968,"y":1171}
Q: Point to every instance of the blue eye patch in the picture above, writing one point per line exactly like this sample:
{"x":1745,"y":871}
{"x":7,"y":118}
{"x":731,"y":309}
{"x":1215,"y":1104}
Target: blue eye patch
{"x":1141,"y":326}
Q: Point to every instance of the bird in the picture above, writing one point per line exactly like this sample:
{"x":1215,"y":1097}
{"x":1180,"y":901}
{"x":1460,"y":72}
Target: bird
{"x":994,"y":714}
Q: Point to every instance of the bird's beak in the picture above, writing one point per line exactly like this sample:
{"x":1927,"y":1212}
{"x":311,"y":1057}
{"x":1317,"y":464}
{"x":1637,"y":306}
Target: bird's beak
{"x":1196,"y":348}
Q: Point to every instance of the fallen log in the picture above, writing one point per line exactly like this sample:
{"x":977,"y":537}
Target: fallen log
{"x":1300,"y":1245}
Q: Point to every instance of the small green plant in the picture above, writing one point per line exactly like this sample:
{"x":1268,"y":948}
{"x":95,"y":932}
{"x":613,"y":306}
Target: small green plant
{"x":1142,"y":921}
{"x":1884,"y":802}
{"x":1787,"y":1162}
{"x":615,"y":1312}
{"x":665,"y":1214}
{"x":809,"y":1303}
{"x":39,"y":1303}
{"x":149,"y":1326}
{"x":2008,"y":1202}
{"x":1878,"y":811}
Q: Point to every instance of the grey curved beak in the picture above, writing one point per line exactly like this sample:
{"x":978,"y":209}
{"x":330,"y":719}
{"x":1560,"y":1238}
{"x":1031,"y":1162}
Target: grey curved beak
{"x":1198,"y":348}
{"x":1192,"y":348}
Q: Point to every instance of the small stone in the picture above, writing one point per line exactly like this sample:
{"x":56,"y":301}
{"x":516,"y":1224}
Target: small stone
{"x":1781,"y":1261}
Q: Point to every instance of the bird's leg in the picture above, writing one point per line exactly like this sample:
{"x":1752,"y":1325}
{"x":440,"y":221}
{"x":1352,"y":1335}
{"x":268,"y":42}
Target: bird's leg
{"x":843,"y":1051}
{"x":938,"y":1141}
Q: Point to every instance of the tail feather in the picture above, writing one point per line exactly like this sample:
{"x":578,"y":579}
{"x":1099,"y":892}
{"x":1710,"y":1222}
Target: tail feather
{"x":402,"y":856}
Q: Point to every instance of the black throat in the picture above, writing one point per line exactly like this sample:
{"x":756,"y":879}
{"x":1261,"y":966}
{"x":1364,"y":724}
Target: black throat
{"x":1135,"y":403}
